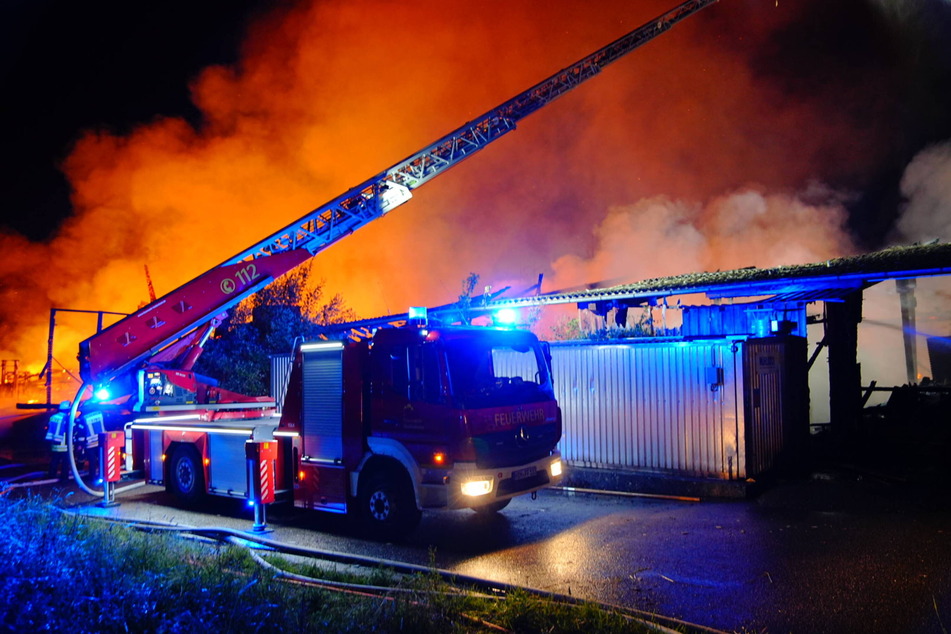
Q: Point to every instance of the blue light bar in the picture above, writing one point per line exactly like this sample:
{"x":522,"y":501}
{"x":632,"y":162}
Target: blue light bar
{"x":506,"y":317}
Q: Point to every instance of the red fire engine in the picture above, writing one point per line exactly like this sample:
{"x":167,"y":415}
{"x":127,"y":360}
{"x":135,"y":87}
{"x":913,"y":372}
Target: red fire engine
{"x":412,"y":418}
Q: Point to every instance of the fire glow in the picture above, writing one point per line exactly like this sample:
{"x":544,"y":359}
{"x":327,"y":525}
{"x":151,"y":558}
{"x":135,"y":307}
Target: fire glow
{"x":638,"y":174}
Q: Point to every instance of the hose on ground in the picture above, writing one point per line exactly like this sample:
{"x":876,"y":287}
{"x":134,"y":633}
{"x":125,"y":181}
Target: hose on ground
{"x":487,"y":587}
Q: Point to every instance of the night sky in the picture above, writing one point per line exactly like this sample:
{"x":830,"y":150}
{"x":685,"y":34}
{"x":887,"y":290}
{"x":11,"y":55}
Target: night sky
{"x":109,"y":64}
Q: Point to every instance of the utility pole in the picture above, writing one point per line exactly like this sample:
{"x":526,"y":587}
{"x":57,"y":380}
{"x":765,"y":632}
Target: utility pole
{"x":909,"y":330}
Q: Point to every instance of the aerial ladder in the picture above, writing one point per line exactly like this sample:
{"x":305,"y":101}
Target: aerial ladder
{"x":167,"y":334}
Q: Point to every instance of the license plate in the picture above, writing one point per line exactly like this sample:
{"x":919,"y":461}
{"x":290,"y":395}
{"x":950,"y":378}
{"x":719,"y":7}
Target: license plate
{"x":527,"y":472}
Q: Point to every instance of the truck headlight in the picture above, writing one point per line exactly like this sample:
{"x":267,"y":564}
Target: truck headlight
{"x":475,"y":488}
{"x":555,"y":468}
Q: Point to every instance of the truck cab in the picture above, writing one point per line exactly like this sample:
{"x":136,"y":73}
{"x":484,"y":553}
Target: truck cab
{"x":417,"y":418}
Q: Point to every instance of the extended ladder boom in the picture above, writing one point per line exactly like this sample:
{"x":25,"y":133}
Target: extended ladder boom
{"x":138,"y":337}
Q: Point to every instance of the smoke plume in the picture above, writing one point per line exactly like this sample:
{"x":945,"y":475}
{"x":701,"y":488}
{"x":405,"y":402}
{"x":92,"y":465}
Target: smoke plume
{"x":643,"y":171}
{"x":926,"y":186}
{"x":659,"y":237}
{"x":925,"y":216}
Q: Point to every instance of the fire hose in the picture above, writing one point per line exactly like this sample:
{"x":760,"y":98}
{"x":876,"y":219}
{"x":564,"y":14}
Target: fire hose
{"x":485,"y":588}
{"x":70,"y":423}
{"x":477,"y":586}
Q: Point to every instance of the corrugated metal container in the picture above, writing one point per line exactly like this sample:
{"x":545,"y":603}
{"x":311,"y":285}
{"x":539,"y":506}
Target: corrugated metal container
{"x":665,"y":406}
{"x":670,"y":407}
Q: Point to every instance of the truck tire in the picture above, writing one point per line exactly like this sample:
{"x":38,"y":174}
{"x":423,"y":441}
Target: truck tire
{"x":492,"y":507}
{"x":387,"y":505}
{"x":186,"y":476}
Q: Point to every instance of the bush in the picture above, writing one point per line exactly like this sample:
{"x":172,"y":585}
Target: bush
{"x":68,"y":573}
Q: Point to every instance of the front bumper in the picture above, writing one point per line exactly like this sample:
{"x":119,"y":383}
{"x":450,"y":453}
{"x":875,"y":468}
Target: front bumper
{"x":466,"y":486}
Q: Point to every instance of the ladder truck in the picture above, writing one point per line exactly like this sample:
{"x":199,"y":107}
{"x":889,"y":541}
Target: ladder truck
{"x":411,"y":418}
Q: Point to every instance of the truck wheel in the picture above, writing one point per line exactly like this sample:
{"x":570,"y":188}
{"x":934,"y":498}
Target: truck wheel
{"x":186,"y":476}
{"x":492,"y":507}
{"x":387,"y":506}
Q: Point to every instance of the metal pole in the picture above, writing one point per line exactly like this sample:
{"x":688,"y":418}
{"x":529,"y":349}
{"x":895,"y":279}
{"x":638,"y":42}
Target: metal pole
{"x":49,"y":360}
{"x":906,"y":295}
{"x":260,"y":523}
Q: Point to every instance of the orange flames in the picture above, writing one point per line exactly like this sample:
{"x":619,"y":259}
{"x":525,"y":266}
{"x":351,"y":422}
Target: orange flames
{"x":677,"y":159}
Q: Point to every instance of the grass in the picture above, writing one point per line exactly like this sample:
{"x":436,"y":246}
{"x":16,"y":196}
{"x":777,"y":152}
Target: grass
{"x":69,"y":573}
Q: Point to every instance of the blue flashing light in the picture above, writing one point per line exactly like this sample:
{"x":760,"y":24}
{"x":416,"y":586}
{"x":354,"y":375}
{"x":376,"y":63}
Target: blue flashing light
{"x":250,"y":502}
{"x":103,"y":394}
{"x":506,"y":316}
{"x":418,"y":312}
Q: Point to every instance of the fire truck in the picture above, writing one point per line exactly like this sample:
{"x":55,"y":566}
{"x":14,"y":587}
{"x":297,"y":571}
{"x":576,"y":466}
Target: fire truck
{"x":408,"y":419}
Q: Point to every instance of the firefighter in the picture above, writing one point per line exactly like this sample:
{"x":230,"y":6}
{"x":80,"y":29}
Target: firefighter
{"x":56,"y":436}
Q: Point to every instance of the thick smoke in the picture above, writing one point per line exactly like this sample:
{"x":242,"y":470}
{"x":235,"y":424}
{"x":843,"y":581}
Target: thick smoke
{"x":659,"y":237}
{"x":925,"y":216}
{"x":926,"y":186}
{"x":643,"y":171}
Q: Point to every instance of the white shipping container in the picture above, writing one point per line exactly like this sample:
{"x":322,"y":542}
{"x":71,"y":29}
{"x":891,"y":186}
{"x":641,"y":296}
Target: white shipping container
{"x":724,"y":409}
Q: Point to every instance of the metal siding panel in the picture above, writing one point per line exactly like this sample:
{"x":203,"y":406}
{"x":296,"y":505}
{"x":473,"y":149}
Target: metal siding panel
{"x":650,"y":407}
{"x":765,"y":362}
{"x":645,"y":408}
{"x":572,"y":412}
{"x":753,"y":420}
{"x":323,"y":404}
{"x":227,"y":471}
{"x":156,"y":463}
{"x":611,"y":395}
{"x":565,"y":383}
{"x":690,"y":412}
{"x":626,"y":386}
{"x":658,"y":374}
{"x":735,"y":452}
{"x":743,"y":319}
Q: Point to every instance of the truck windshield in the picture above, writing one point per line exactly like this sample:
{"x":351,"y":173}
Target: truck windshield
{"x":494,"y":372}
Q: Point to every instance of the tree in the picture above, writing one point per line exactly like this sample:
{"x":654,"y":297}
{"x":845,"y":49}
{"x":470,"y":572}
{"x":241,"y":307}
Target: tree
{"x":566,"y":329}
{"x":465,"y":300}
{"x":268,"y":323}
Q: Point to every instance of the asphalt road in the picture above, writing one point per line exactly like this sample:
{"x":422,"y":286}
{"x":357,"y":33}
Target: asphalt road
{"x":836,"y":552}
